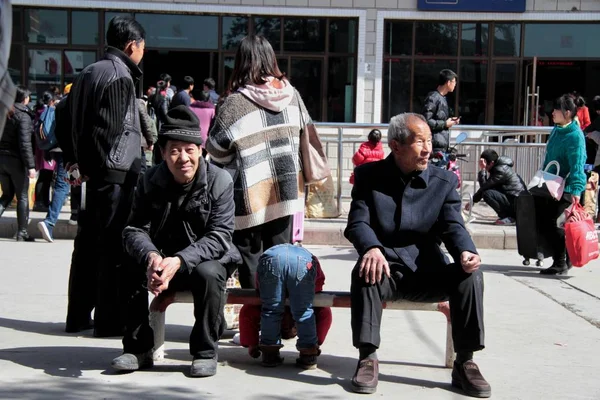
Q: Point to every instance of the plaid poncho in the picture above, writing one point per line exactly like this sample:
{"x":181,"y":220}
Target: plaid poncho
{"x":259,"y":148}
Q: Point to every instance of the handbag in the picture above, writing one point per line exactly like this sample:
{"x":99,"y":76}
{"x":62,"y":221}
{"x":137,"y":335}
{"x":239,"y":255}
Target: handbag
{"x":546,"y":184}
{"x":312,"y":154}
{"x":580,"y":236}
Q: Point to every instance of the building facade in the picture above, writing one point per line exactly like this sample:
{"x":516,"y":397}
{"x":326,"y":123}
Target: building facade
{"x":352,"y":60}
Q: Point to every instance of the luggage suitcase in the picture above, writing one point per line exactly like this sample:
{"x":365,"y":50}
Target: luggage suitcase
{"x":529,"y":243}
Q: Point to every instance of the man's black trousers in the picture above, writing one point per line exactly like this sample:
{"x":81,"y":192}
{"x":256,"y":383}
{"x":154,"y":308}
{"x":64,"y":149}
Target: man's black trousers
{"x":207,"y":282}
{"x":427,"y":284}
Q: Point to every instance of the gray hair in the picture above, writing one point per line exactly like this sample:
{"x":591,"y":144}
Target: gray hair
{"x":398,"y":128}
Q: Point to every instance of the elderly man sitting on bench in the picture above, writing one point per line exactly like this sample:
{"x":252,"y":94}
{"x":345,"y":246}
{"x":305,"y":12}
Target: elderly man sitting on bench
{"x":179,"y":238}
{"x":401,"y":210}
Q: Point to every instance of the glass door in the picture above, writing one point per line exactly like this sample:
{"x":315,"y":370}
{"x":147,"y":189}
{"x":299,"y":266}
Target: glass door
{"x":531,"y":93}
{"x":503,"y":92}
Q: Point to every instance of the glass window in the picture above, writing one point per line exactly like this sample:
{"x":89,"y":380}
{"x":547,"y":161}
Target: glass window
{"x":270,"y":28}
{"x":562,"y":40}
{"x":84,"y":27}
{"x":473,"y":90}
{"x":234,"y":30}
{"x":396,"y":88}
{"x":180,"y":31}
{"x":507,"y":40}
{"x":306,"y":75}
{"x":342,"y":35}
{"x":474,"y":39}
{"x":426,"y":81}
{"x":340,"y":89}
{"x":75,"y":62}
{"x":46,"y":26}
{"x":15,"y":63}
{"x":436,"y":38}
{"x":17,"y":26}
{"x":398,"y":38}
{"x":304,"y":34}
{"x":44,"y":68}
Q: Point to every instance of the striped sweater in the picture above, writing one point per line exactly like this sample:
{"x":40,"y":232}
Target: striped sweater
{"x":259,"y":148}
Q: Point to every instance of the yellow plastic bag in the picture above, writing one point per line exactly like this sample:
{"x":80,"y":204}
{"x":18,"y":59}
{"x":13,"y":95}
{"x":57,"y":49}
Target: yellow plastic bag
{"x":321,"y":201}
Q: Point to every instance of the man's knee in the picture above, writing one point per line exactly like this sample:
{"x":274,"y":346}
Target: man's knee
{"x":211,"y":272}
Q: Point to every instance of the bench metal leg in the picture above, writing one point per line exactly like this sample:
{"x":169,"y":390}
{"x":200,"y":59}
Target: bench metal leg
{"x":157,"y":323}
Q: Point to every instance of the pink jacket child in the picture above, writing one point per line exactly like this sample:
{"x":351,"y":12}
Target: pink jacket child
{"x":205,"y":111}
{"x":369,"y":151}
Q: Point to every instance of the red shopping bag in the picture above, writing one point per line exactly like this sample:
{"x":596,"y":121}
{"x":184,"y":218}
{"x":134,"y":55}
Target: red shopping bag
{"x":581,"y":236}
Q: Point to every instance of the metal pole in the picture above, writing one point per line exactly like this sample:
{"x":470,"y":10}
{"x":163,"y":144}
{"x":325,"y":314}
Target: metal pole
{"x":537,"y":111}
{"x":340,"y":168}
{"x":526,"y":118}
{"x":533,"y":83}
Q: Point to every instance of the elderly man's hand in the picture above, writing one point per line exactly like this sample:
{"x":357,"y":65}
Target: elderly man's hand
{"x":373,"y":266}
{"x":168,"y":267}
{"x":470,"y":262}
{"x":153,"y":273}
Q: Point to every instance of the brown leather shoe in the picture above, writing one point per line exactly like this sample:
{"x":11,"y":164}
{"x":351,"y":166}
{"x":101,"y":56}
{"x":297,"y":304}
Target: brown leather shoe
{"x":468,"y":378}
{"x":366,"y":377}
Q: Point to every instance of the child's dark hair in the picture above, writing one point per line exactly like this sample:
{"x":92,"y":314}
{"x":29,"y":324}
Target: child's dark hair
{"x":489,"y":155}
{"x":580,"y":102}
{"x":566,"y":103}
{"x":375,"y":136}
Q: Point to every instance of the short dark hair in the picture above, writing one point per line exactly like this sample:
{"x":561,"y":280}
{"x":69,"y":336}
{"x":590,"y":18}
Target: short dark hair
{"x":122,"y":30}
{"x":45,"y":99}
{"x":22,"y":94}
{"x":446,"y":75}
{"x":375,"y":136}
{"x":165,"y":77}
{"x":596,"y":103}
{"x":580,"y":101}
{"x":566,"y":103}
{"x":489,"y":155}
{"x":210,"y":83}
{"x":189,"y":81}
{"x":204,"y":96}
{"x":255,"y":60}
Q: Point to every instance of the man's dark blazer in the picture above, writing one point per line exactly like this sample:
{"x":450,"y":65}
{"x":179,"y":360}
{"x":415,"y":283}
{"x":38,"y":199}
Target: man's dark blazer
{"x":407,"y":225}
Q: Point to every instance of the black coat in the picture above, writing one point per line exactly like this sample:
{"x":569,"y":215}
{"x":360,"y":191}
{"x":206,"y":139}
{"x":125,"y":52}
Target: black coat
{"x":197,"y":226}
{"x":436,"y":113}
{"x":501,"y":178}
{"x":407,"y":222}
{"x":18,"y":133}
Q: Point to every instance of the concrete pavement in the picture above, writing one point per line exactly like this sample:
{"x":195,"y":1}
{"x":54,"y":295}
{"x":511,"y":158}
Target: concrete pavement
{"x":543,"y":341}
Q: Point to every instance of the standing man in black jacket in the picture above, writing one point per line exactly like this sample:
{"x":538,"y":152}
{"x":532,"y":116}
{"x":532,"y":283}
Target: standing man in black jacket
{"x":499,"y":186}
{"x":400,"y":211}
{"x":104,"y":146}
{"x":436,"y":112}
{"x":179,"y":238}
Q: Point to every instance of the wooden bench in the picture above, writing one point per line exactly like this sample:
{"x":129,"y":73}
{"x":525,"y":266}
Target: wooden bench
{"x":160,"y":303}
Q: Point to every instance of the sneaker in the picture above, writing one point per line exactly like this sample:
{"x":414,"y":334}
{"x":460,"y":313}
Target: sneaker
{"x":505,"y":221}
{"x":46,"y":231}
{"x":133,"y":362}
{"x":73,"y":220}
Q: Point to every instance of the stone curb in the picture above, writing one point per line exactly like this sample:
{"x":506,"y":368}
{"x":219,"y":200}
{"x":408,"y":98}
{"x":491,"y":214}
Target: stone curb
{"x":316,"y":232}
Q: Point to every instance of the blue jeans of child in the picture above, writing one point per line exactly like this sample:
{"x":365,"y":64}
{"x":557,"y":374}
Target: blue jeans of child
{"x":61,"y":190}
{"x":287,"y":270}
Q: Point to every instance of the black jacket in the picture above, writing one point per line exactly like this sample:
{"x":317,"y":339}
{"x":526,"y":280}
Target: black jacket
{"x":197,"y":225}
{"x":501,"y":178}
{"x":18,"y":132}
{"x":106,"y":134}
{"x":160,"y":105}
{"x":407,"y":222}
{"x":435,"y":111}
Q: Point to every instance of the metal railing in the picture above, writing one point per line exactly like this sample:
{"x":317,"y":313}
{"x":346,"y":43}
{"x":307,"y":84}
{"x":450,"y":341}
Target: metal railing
{"x":506,"y":140}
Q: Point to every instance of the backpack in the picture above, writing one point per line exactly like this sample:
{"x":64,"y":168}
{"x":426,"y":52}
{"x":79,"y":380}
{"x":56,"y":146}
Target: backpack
{"x":45,"y":136}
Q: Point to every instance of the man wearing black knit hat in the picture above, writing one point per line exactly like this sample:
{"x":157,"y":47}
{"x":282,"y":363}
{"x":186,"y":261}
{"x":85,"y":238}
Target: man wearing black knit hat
{"x":179,"y":233}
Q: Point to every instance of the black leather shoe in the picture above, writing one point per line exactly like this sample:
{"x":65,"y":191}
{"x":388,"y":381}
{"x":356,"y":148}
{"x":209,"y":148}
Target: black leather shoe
{"x":467,"y":377}
{"x":133,"y":362}
{"x":203,"y":367}
{"x":366,"y":377}
{"x":78,"y":327}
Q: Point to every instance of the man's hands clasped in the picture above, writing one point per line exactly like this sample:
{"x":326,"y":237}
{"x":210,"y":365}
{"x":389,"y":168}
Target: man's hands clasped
{"x":470,"y":262}
{"x":373,"y":266}
{"x":160,"y":272}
